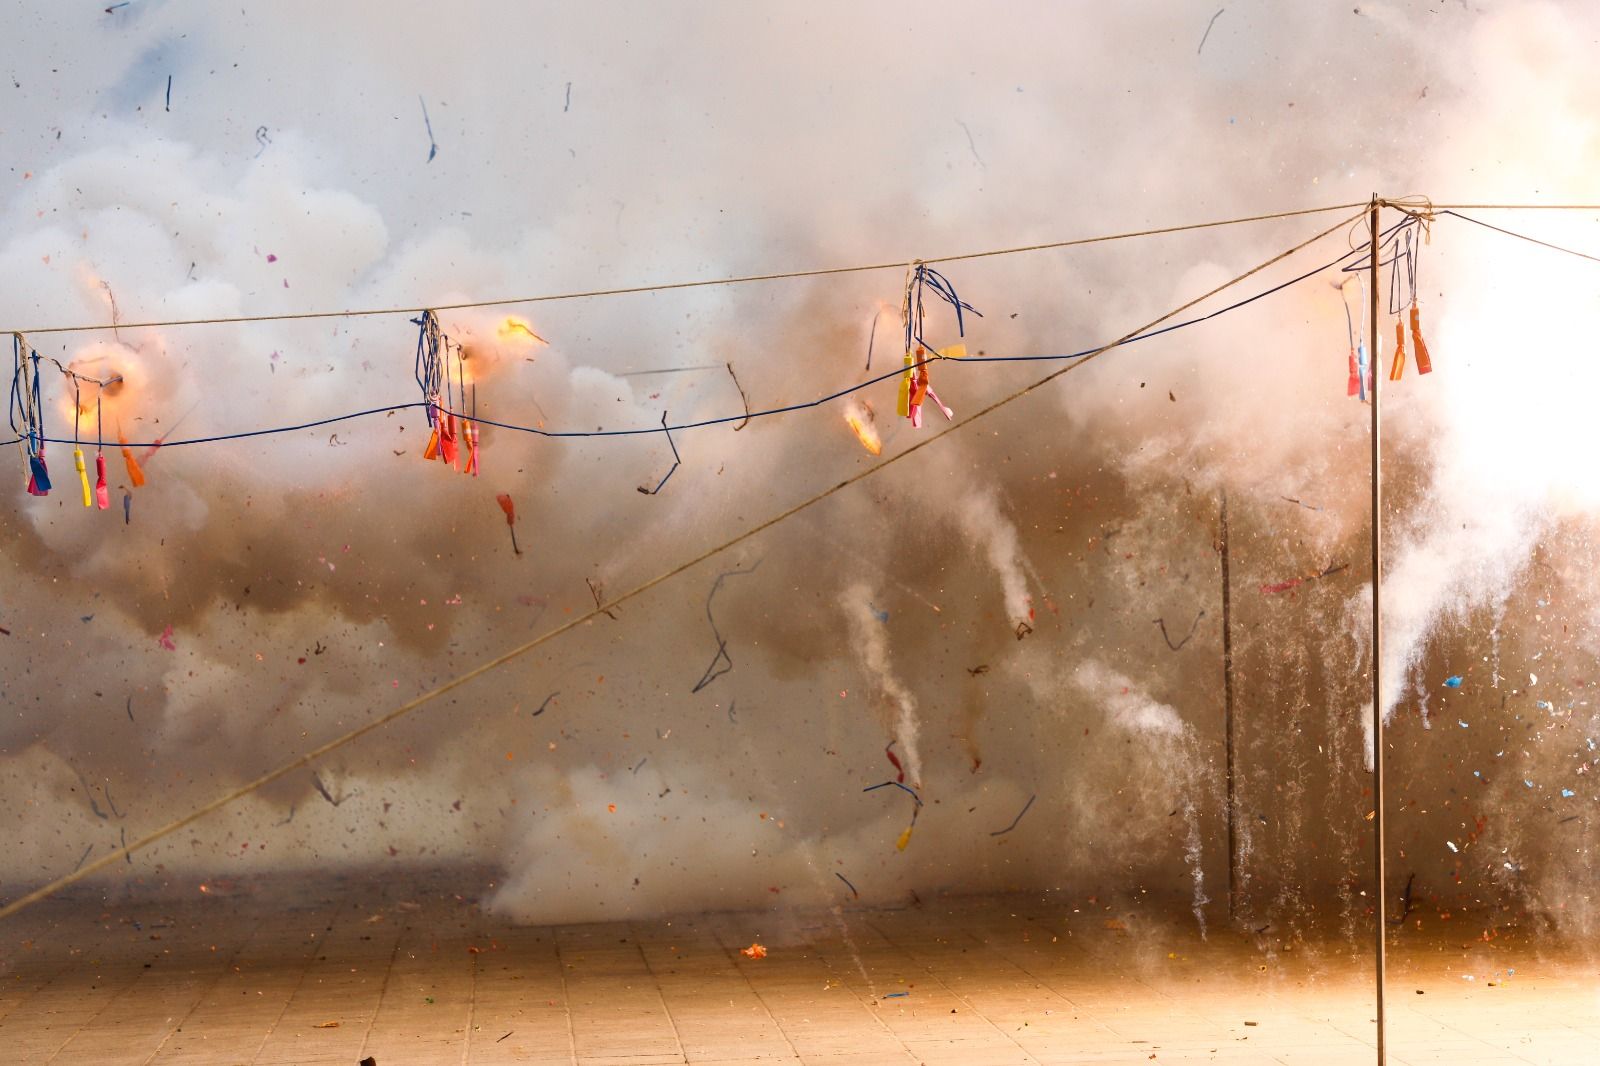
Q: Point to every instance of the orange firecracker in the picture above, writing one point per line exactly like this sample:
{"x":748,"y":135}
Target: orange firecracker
{"x":135,"y":474}
{"x":1424,"y":363}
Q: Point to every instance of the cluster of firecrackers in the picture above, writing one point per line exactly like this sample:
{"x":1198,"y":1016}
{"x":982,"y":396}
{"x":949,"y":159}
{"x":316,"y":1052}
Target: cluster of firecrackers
{"x":452,"y":437}
{"x":916,"y":386}
{"x":1403,"y":305}
{"x":26,"y":413}
{"x":915,"y":379}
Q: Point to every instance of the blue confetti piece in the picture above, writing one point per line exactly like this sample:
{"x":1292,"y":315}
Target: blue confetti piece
{"x":1567,"y":793}
{"x":1460,"y":723}
{"x":882,"y":616}
{"x":1525,"y":781}
{"x":897,"y":995}
{"x":433,"y":146}
{"x":1544,"y":705}
{"x":1453,"y":682}
{"x":1477,"y":773}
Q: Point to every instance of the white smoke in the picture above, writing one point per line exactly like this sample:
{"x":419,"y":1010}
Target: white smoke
{"x":980,"y":518}
{"x":870,"y":640}
{"x":315,"y":580}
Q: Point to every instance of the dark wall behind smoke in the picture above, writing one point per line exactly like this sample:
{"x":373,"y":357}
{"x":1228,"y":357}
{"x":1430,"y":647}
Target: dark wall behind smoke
{"x":313,"y":581}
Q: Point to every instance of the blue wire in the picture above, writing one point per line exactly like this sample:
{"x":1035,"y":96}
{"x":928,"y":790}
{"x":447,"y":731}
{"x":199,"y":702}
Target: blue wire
{"x":787,"y":409}
{"x":926,"y":277}
{"x":676,"y":462}
{"x":895,"y":784}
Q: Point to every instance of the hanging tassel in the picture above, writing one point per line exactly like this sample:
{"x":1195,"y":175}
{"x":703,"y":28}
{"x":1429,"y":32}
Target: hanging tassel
{"x":447,"y":439}
{"x":472,"y":431}
{"x":955,"y":351}
{"x":919,"y":391}
{"x":1398,"y":367}
{"x":102,"y":494}
{"x":83,"y":476}
{"x":902,"y":403}
{"x":1363,"y":373}
{"x":450,"y":426}
{"x":135,"y":475}
{"x":31,"y":402}
{"x":1424,"y":363}
{"x":431,"y":452}
{"x":914,"y":387}
{"x":1354,"y":386}
{"x":922,"y":388}
{"x":430,"y":375}
{"x":77,"y":448}
{"x":38,"y":473}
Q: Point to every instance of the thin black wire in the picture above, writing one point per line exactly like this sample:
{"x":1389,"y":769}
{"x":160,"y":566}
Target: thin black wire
{"x":677,"y":461}
{"x":786,"y":409}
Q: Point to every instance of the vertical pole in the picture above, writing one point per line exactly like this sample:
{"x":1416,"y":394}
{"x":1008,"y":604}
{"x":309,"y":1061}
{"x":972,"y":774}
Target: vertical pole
{"x":1380,"y":907}
{"x":1227,"y":710}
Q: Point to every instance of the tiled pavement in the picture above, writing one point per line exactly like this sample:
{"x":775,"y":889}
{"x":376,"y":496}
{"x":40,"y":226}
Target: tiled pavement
{"x":345,"y":971}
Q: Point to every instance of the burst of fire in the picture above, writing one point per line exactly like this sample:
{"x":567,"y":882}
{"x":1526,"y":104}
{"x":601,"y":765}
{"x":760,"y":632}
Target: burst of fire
{"x":517,"y":326}
{"x":860,"y":419}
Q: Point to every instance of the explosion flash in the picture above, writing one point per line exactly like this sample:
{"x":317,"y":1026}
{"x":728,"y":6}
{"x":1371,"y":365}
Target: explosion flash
{"x":861,"y":421}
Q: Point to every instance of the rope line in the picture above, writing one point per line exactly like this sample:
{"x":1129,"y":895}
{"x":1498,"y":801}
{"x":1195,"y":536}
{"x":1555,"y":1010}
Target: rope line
{"x":670,"y":286}
{"x":320,"y":750}
{"x":1521,"y":236}
{"x":803,"y":405}
{"x":1507,"y":207}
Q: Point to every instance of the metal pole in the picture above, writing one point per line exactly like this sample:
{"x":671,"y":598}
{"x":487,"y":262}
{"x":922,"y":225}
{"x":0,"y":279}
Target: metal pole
{"x":1381,"y":910}
{"x":1227,"y":710}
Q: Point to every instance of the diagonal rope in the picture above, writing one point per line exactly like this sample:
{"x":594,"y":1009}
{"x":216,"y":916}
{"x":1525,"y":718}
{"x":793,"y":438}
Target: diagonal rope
{"x":1519,"y":236}
{"x":669,"y":286}
{"x":406,"y":708}
{"x":1506,"y":207}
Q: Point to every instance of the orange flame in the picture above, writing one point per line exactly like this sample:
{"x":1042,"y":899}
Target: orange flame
{"x":861,"y":422}
{"x":517,"y":326}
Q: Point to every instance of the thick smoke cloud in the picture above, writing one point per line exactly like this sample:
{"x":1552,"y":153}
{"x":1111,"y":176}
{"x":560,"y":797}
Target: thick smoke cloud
{"x":1028,"y":609}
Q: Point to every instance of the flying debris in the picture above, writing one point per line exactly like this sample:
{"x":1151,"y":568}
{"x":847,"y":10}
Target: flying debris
{"x":433,"y":145}
{"x":858,"y":415}
{"x":510,"y":509}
